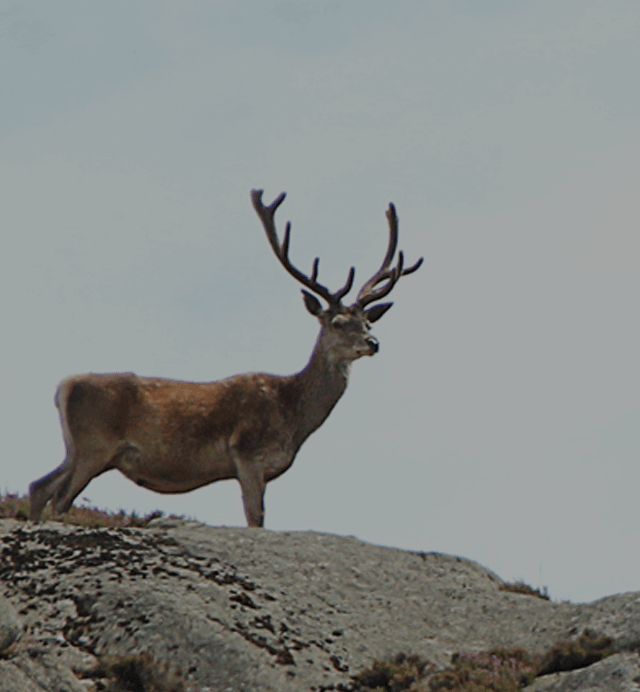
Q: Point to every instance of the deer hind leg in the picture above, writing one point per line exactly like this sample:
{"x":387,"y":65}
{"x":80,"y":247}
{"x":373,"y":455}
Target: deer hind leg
{"x":65,"y":483}
{"x":42,"y":490}
{"x":51,"y":485}
{"x":251,"y":478}
{"x":87,"y":465}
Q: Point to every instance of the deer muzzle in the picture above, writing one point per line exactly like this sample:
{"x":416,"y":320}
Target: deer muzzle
{"x":373,"y":344}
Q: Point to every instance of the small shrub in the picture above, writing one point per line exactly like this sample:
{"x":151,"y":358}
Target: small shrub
{"x":522,"y":588}
{"x":139,"y":673}
{"x":571,"y":654}
{"x":402,"y":673}
{"x":498,"y":670}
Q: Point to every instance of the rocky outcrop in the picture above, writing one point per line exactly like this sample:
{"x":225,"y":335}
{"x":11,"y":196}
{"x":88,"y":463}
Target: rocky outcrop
{"x":249,"y":609}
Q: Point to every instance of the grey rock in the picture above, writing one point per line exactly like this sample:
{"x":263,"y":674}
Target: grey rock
{"x":618,"y":673}
{"x":44,"y":669}
{"x":250,"y":609}
{"x":9,"y":625}
{"x":12,"y":679}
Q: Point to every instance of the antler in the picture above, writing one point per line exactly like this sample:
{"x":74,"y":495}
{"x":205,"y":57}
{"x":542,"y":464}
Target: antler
{"x":267,"y":215}
{"x":368,"y":293}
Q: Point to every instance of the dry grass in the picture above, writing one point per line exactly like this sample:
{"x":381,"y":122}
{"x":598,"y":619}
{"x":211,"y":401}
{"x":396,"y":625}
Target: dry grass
{"x":17,"y":507}
{"x":522,"y":588}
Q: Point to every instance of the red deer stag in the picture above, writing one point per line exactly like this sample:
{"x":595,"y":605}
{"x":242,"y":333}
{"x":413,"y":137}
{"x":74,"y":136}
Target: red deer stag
{"x":172,"y":436}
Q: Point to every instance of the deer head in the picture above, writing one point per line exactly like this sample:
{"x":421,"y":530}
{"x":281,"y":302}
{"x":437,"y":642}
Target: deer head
{"x":345,"y":330}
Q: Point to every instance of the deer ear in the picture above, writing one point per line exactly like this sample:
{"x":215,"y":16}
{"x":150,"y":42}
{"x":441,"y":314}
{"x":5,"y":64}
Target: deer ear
{"x":312,"y":303}
{"x":375,"y":313}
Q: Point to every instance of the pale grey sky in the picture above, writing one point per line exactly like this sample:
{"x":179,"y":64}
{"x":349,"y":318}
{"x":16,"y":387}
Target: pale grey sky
{"x":500,"y":419}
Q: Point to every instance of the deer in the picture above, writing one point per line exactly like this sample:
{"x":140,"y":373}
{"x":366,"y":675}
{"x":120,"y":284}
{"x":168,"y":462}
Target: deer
{"x":173,"y":436}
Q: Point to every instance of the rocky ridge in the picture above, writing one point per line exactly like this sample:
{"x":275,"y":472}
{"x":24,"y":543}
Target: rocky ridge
{"x":250,"y":609}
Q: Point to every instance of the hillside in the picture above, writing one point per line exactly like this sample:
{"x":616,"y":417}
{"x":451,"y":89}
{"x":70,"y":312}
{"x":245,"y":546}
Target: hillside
{"x":250,"y":609}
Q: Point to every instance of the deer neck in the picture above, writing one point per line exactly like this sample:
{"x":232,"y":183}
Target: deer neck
{"x":321,"y":383}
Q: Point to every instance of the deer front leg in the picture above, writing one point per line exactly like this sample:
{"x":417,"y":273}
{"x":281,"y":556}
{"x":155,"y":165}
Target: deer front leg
{"x":251,"y":477}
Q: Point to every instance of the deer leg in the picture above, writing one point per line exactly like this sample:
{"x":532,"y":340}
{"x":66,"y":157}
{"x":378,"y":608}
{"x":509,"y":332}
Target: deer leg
{"x":251,"y":478}
{"x":42,"y":490}
{"x":85,"y":470}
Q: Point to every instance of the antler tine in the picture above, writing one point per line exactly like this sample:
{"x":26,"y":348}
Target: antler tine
{"x":314,"y":271}
{"x":368,"y":293}
{"x":413,"y":268}
{"x":347,"y":287}
{"x":267,"y":214}
{"x":392,"y":219}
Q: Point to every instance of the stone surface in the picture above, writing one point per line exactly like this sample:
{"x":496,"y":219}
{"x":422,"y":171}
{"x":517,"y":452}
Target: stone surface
{"x":9,"y":625}
{"x":250,"y":609}
{"x":44,"y":670}
{"x":618,"y":673}
{"x":12,"y":679}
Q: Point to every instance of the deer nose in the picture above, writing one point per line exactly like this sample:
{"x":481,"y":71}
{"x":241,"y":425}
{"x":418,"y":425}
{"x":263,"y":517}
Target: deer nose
{"x":373,"y":344}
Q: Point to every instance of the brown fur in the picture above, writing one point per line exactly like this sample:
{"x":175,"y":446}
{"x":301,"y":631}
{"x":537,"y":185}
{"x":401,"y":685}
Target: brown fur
{"x":172,"y":436}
